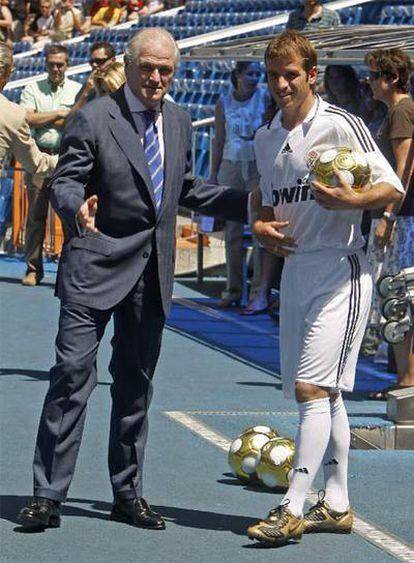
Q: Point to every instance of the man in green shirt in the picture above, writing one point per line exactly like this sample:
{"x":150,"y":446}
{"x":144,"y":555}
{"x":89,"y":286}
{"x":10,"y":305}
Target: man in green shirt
{"x":48,"y":103}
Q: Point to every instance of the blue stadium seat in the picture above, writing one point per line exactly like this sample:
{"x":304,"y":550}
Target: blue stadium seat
{"x":351,"y":15}
{"x":397,"y":15}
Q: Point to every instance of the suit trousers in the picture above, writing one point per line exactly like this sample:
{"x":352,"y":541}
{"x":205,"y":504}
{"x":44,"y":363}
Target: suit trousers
{"x":138,"y":326}
{"x":243,"y":176}
{"x":38,"y":200}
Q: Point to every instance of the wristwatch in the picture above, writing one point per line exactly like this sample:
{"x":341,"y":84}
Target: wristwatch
{"x":388,"y":216}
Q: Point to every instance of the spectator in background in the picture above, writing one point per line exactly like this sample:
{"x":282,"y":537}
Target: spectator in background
{"x":29,"y":28}
{"x":131,"y":9}
{"x":270,"y":264}
{"x":34,"y":8}
{"x":105,"y":13}
{"x":152,"y":7}
{"x":6,"y":22}
{"x":391,"y":245}
{"x":312,"y":15}
{"x":237,"y":117}
{"x":68,"y":19}
{"x":110,"y":79}
{"x":376,"y":109}
{"x":48,"y":103}
{"x":20,"y":10}
{"x":342,"y":88}
{"x":45,"y":24}
{"x":102,"y":54}
{"x":15,"y":139}
{"x":40,"y":29}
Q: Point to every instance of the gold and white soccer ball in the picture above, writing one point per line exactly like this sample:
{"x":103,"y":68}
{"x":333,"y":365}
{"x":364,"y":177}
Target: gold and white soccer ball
{"x":353,"y":166}
{"x":276,"y":462}
{"x":244,"y":451}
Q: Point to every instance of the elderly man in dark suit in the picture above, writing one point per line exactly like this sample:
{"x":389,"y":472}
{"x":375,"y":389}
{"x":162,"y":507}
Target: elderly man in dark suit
{"x":124,"y":168}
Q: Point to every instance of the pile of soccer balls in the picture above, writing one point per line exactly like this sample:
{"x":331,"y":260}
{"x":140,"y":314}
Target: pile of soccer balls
{"x":260,"y":455}
{"x":352,"y":165}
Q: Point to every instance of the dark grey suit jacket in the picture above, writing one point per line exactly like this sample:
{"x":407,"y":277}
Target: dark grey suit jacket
{"x":101,"y":153}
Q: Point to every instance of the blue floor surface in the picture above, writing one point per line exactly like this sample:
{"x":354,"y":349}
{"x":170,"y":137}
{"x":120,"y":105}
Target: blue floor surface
{"x":261,"y":348}
{"x":186,"y":477}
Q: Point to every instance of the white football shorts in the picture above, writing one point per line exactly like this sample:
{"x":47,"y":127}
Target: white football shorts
{"x":324,"y":309}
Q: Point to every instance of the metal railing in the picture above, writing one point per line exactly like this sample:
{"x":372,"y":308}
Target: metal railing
{"x":53,"y":240}
{"x":202,"y":123}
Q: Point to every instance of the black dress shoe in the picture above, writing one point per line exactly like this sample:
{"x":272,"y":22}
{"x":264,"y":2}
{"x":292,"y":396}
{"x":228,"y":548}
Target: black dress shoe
{"x":40,"y":513}
{"x":137,"y":512}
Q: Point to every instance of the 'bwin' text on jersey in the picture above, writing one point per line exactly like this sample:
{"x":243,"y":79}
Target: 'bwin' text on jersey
{"x":293,"y":194}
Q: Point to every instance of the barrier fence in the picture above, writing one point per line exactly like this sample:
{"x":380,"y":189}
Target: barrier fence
{"x":53,"y":241}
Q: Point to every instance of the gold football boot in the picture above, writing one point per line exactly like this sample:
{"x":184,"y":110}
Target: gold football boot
{"x":321,"y":518}
{"x":279,"y":528}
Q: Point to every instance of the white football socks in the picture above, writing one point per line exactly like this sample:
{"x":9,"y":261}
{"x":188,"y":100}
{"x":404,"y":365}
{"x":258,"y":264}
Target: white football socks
{"x":335,"y":461}
{"x":311,"y":443}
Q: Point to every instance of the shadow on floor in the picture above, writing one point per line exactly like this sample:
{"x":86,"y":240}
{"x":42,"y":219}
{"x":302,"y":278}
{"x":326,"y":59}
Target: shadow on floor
{"x":18,"y":281}
{"x":10,"y":505}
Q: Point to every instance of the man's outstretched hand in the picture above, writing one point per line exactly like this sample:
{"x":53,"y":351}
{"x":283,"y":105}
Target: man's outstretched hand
{"x":269,"y":236}
{"x":87,"y":212}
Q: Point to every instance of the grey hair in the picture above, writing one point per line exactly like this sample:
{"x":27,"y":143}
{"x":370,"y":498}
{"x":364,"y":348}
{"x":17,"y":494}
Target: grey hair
{"x":6,"y":59}
{"x":150,"y":35}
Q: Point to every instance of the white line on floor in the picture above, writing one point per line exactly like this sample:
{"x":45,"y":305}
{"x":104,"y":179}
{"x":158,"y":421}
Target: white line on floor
{"x":383,"y":540}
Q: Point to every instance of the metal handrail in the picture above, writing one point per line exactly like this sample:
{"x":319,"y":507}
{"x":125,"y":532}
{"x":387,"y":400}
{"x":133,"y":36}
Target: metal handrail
{"x":198,"y":124}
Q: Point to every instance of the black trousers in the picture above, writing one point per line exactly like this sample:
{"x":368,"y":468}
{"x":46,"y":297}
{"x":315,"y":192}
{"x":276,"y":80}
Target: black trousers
{"x":138,"y":325}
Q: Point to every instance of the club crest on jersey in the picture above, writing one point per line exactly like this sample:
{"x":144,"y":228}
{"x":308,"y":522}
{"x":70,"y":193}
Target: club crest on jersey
{"x":311,"y":158}
{"x":292,"y":194}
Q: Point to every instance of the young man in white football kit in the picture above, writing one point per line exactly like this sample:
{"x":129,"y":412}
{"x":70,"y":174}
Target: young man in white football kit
{"x":326,"y":284}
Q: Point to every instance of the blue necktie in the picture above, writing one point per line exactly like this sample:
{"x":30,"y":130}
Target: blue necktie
{"x":153,"y":155}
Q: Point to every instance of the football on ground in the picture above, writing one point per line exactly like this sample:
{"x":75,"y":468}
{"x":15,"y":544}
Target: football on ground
{"x":276,"y":462}
{"x":244,"y":451}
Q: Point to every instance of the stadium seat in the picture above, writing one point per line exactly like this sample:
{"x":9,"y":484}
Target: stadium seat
{"x":397,"y":15}
{"x":350,"y":15}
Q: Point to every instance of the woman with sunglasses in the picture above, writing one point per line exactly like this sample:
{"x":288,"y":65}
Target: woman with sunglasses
{"x":390,"y":247}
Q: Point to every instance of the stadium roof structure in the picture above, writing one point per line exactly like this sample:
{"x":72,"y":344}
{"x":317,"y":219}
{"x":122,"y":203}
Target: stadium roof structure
{"x":341,"y":45}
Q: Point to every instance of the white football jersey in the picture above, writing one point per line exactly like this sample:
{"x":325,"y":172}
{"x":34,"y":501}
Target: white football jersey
{"x":284,"y":176}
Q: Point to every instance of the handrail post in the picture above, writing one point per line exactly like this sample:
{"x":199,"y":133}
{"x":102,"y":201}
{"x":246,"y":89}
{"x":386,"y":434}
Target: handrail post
{"x":209,"y":122}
